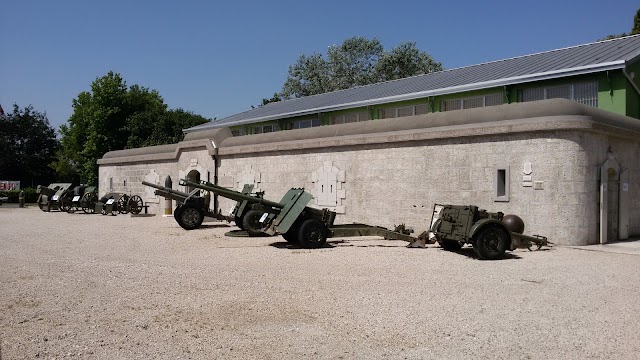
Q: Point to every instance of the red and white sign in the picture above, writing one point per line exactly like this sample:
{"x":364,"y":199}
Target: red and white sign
{"x":9,"y":185}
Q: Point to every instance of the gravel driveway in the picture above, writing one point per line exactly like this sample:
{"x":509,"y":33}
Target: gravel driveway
{"x":116,"y":287}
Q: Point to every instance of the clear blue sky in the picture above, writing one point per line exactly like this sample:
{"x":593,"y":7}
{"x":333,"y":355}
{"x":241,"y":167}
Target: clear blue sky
{"x":219,"y":58}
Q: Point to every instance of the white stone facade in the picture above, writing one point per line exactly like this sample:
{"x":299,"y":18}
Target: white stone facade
{"x":393,"y":176}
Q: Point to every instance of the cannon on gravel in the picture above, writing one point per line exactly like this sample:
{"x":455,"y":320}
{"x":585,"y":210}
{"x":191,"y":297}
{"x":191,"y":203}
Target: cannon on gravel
{"x":294,"y":220}
{"x":50,"y":197}
{"x":115,"y":202}
{"x":490,"y":234}
{"x":190,"y":220}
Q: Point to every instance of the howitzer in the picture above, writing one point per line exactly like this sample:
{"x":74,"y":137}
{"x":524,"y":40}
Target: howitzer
{"x":299,"y":223}
{"x":189,"y":218}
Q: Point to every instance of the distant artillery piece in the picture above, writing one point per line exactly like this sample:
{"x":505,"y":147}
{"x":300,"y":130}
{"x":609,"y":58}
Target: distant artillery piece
{"x":114,"y":202}
{"x":51,"y":196}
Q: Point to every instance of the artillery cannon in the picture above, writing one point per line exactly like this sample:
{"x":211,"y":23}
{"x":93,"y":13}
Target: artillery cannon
{"x":190,"y":220}
{"x":294,"y":220}
{"x":489,"y":233}
{"x":50,"y":196}
{"x":115,"y":202}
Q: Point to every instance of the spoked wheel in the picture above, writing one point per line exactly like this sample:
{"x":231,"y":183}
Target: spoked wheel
{"x":251,"y":222}
{"x":189,"y":217}
{"x":88,"y":203}
{"x":40,"y":202}
{"x":135,"y":204}
{"x":122,"y":205}
{"x":312,"y":234}
{"x":64,"y":206}
{"x":490,"y":243}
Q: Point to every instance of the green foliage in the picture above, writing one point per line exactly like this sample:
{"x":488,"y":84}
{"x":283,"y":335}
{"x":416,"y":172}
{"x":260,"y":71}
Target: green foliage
{"x":113,"y":117}
{"x":30,"y":195}
{"x":357,"y":61}
{"x":151,"y":128}
{"x":27,"y":144}
{"x":635,"y":29}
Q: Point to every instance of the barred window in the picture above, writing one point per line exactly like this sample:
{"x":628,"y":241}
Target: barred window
{"x":350,"y":117}
{"x":237,"y":132}
{"x":582,"y":92}
{"x":471,"y":102}
{"x":302,"y":124}
{"x":403,"y":111}
{"x":265,"y":129}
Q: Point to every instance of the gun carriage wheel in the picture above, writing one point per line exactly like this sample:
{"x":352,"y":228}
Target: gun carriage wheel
{"x":189,"y":216}
{"x":312,"y":234}
{"x":135,"y":204}
{"x":251,"y":222}
{"x":122,"y":205}
{"x":64,"y":205}
{"x":490,"y":243}
{"x":88,"y":203}
{"x":40,"y":202}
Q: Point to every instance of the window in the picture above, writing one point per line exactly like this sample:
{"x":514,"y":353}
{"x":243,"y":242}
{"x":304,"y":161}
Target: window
{"x":265,"y":129}
{"x":302,"y":124}
{"x":471,"y":102}
{"x":403,"y":111}
{"x":581,"y":92}
{"x":501,"y":185}
{"x":237,"y":132}
{"x":350,"y":117}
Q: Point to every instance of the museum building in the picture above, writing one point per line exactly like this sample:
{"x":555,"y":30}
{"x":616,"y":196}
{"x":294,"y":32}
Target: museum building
{"x":553,"y":137}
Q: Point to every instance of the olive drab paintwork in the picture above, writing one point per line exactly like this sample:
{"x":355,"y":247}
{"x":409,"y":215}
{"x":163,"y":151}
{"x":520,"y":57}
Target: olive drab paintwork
{"x":456,"y":225}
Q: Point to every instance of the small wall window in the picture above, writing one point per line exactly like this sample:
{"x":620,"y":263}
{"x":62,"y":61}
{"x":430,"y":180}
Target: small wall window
{"x":265,"y":129}
{"x":471,"y":102}
{"x":237,"y":132}
{"x":403,"y":111}
{"x":111,"y":184}
{"x":501,"y":184}
{"x":582,"y":92}
{"x":302,"y":124}
{"x":350,"y":117}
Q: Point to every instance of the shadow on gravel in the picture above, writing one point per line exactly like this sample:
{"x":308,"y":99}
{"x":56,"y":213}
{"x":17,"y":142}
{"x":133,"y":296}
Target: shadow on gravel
{"x":468,"y":252}
{"x":293,"y":246}
{"x":213,"y":226}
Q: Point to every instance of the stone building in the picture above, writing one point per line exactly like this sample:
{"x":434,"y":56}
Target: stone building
{"x":489,"y":135}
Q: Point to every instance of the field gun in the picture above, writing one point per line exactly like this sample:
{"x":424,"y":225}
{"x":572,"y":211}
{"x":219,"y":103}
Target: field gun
{"x":50,"y":196}
{"x":185,"y":212}
{"x":490,"y":233}
{"x":297,"y":222}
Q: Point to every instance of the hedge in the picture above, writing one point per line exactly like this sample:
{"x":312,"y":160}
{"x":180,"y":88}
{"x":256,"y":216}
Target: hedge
{"x":30,"y":195}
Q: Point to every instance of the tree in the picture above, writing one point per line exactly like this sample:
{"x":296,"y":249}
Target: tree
{"x":28,"y":145}
{"x":635,"y":29}
{"x":357,"y":61}
{"x":113,"y":116}
{"x":148,"y":128}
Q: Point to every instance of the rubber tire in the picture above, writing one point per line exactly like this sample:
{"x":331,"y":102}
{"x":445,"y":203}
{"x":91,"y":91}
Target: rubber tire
{"x":176,"y":210}
{"x":291,"y":236}
{"x":490,"y":243}
{"x":251,"y":222}
{"x":40,"y":202}
{"x":238,"y":221}
{"x":312,"y":234}
{"x":190,"y":217}
{"x":450,"y":245}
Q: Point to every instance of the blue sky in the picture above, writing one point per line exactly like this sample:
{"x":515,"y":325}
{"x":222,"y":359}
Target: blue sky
{"x":219,"y":58}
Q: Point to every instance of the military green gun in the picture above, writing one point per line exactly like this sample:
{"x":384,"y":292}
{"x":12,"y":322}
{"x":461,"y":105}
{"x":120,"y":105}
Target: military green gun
{"x":490,"y":234}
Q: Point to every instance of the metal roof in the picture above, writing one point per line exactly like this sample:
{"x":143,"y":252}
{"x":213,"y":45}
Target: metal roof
{"x":576,"y":60}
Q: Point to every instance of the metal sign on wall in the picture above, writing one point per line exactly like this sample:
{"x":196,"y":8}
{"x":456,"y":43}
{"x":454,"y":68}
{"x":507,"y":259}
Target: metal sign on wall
{"x":9,"y":185}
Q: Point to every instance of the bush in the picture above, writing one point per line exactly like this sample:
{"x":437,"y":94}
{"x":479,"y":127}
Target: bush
{"x":30,"y":195}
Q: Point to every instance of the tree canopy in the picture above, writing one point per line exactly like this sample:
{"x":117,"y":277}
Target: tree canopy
{"x":635,"y":29}
{"x":27,"y":144}
{"x":113,"y":116}
{"x":357,"y":61}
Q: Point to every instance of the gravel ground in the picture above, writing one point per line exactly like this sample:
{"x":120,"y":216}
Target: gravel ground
{"x":104,"y":287}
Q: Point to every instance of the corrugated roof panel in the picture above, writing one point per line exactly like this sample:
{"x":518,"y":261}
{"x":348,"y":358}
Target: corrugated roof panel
{"x":470,"y":77}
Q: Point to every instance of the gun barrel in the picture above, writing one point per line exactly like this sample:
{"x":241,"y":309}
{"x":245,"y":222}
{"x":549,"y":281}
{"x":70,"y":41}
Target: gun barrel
{"x":164,"y":191}
{"x":231,"y":194}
